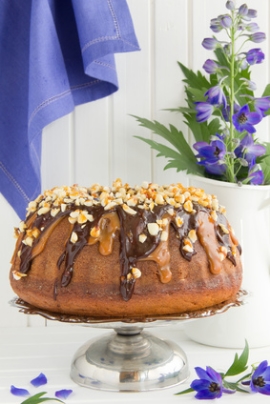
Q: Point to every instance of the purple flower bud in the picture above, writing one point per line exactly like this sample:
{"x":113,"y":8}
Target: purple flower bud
{"x":243,"y":10}
{"x":225,"y":21}
{"x":252,"y":27}
{"x":215,"y":25}
{"x":227,"y":49}
{"x":204,"y":111}
{"x":257,"y":37}
{"x":243,"y":65}
{"x":252,"y":13}
{"x":249,"y":84}
{"x":255,"y":56}
{"x":210,"y":66}
{"x":230,"y":5}
{"x":209,"y":43}
{"x":216,"y":96}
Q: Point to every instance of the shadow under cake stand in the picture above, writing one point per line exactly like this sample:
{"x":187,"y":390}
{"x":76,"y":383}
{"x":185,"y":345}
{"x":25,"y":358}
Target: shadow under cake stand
{"x":129,"y":359}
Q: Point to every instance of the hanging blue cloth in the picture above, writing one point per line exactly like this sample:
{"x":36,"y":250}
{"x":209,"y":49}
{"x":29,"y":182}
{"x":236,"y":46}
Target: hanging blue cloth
{"x":54,"y":55}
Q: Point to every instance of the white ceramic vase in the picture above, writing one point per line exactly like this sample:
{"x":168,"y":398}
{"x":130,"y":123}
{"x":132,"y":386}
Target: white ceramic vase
{"x":248,"y":211}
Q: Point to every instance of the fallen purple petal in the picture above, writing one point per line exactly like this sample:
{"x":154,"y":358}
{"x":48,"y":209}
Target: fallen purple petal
{"x":63,"y":393}
{"x":19,"y":392}
{"x":39,"y":381}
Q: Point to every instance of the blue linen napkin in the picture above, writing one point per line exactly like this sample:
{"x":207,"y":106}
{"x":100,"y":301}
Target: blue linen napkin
{"x":54,"y":55}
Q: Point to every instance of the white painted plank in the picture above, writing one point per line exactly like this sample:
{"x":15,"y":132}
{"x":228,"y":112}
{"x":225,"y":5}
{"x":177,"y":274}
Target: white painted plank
{"x":131,"y":159}
{"x":170,"y":44}
{"x":57,"y":163}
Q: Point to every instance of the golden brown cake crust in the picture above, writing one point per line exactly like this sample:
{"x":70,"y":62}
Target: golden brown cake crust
{"x":187,"y":270}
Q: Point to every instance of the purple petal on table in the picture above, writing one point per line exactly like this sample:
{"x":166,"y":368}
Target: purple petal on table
{"x":39,"y":380}
{"x":63,"y":393}
{"x":19,"y":392}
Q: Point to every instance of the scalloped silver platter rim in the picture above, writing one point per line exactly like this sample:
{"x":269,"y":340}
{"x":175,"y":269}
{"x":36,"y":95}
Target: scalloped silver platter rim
{"x":151,"y":321}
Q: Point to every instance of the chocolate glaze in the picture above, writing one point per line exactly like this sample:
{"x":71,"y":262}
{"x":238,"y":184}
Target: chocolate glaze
{"x":131,"y":249}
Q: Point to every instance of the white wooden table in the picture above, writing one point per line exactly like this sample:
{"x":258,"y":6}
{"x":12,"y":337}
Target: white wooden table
{"x":26,"y":352}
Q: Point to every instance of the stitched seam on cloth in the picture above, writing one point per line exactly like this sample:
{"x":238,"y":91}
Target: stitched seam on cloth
{"x":114,"y":18}
{"x":97,"y":62}
{"x":109,"y":38}
{"x":57,"y":97}
{"x":10,"y":177}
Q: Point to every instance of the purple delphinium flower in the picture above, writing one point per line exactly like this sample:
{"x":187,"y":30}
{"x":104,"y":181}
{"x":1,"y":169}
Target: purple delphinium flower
{"x":216,"y":96}
{"x":262,"y":104}
{"x":249,"y":150}
{"x":255,"y":56}
{"x":212,"y":155}
{"x":257,"y":37}
{"x":210,"y":43}
{"x":204,"y":111}
{"x":210,"y":66}
{"x":244,"y":119}
{"x":209,"y":386}
{"x":255,"y":175}
{"x":260,"y":379}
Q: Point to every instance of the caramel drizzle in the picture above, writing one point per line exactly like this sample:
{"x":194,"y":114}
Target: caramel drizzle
{"x":107,"y":225}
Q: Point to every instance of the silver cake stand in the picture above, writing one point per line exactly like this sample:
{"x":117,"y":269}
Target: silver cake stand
{"x":128,"y":358}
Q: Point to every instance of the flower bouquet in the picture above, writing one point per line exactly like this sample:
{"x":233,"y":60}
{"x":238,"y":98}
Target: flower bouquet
{"x":222,"y":111}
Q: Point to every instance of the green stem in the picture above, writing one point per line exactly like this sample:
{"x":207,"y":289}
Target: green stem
{"x":231,"y":174}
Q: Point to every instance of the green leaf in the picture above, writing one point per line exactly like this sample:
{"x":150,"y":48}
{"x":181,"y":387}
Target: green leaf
{"x":234,"y":386}
{"x":194,"y":80}
{"x":37,"y":398}
{"x":265,"y":164}
{"x":266,"y":92}
{"x":184,"y":392}
{"x":240,"y":363}
{"x":181,"y":157}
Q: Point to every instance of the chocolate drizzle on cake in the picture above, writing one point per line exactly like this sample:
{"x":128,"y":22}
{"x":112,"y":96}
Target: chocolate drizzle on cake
{"x":140,"y":217}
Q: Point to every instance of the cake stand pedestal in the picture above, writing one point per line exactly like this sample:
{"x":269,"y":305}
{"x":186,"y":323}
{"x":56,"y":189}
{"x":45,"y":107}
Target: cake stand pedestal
{"x":128,"y":358}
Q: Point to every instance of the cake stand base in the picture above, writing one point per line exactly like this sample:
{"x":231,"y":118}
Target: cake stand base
{"x":129,"y":359}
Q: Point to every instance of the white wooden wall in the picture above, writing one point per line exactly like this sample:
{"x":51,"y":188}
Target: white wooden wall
{"x":96,"y":142}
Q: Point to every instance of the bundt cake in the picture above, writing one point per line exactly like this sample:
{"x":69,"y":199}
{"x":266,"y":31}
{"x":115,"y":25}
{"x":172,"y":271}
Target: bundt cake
{"x":125,"y":251}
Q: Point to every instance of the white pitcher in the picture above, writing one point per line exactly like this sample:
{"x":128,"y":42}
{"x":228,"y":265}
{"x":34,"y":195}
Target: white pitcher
{"x":248,"y":211}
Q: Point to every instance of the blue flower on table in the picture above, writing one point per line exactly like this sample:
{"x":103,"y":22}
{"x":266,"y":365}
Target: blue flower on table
{"x":260,"y":379}
{"x":244,"y":119}
{"x":209,"y":385}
